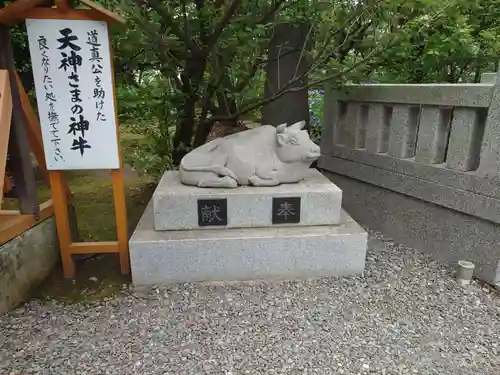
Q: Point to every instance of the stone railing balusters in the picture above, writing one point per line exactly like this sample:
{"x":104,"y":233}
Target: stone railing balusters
{"x":433,"y":133}
{"x":464,"y":146}
{"x":403,"y":131}
{"x":377,"y":131}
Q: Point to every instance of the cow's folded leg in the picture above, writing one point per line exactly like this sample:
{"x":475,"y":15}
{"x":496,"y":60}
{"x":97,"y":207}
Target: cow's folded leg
{"x":257,"y":181}
{"x":268,"y":172}
{"x":216,"y":181}
{"x":223,"y":171}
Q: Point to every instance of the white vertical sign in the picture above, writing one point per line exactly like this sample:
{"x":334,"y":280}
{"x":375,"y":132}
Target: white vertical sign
{"x":74,"y":91}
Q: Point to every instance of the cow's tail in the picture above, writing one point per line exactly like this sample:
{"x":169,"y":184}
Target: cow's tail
{"x":209,"y":147}
{"x":217,"y":169}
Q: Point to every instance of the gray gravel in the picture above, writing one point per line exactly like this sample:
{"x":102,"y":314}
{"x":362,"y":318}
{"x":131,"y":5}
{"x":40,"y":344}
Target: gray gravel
{"x":405,"y":316}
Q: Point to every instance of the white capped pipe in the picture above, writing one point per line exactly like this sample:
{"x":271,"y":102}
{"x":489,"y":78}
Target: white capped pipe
{"x":465,"y":270}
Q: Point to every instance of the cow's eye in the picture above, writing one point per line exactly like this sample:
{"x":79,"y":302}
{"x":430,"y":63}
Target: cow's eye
{"x":293,"y":141}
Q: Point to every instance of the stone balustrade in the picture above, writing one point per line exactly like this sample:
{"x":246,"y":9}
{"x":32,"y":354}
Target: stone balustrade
{"x":439,"y":143}
{"x":440,"y":134}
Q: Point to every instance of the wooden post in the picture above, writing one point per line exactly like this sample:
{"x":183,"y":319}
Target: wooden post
{"x":59,"y":198}
{"x":32,"y":127}
{"x":19,"y":153}
{"x":36,"y":144}
{"x":121,"y":219}
{"x":5,"y":119}
{"x":119,"y":188}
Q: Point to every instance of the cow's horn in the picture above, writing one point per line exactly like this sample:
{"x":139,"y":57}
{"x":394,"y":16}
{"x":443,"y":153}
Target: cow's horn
{"x":299,"y":125}
{"x":281,"y":128}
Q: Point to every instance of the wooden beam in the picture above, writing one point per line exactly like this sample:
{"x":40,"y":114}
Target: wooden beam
{"x":10,"y":15}
{"x":33,"y":128}
{"x":62,"y":4}
{"x":35,"y":140}
{"x":12,"y":226}
{"x":19,"y":152}
{"x":9,"y":212}
{"x":5,"y":119}
{"x":94,"y":247}
{"x":112,"y":15}
{"x":72,"y":14}
{"x":19,"y":10}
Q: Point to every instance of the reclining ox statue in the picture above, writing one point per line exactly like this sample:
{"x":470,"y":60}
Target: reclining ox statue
{"x":264,"y":156}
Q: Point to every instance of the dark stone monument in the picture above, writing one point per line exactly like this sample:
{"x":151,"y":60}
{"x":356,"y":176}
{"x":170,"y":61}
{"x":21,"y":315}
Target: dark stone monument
{"x":286,"y":62}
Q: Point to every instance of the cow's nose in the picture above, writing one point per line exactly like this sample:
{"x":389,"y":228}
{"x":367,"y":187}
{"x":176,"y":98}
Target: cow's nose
{"x":315,"y":149}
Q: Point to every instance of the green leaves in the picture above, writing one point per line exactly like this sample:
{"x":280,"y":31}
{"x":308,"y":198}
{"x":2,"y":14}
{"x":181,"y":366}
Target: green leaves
{"x":167,"y":68}
{"x":445,"y":42}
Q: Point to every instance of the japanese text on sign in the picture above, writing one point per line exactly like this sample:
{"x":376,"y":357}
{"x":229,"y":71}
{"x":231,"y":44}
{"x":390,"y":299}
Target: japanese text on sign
{"x":212,"y":212}
{"x":73,"y":82}
{"x":286,"y":210}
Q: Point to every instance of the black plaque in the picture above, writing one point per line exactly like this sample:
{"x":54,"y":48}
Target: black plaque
{"x":212,"y":212}
{"x":286,"y":210}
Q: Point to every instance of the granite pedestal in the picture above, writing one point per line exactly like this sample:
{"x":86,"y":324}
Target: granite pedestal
{"x":286,"y":232}
{"x":174,"y":204}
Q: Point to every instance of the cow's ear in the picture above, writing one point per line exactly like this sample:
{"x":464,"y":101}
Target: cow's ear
{"x":281,"y":139}
{"x":281,"y":128}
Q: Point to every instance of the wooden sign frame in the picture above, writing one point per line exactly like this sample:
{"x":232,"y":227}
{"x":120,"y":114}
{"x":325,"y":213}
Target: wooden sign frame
{"x":5,"y":120}
{"x":58,"y":185}
{"x":15,"y":222}
{"x":20,"y":134}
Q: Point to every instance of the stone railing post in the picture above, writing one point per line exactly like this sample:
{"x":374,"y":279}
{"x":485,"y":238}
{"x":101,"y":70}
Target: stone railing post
{"x":489,"y":164}
{"x":402,"y":137}
{"x":377,"y":131}
{"x":331,"y":116}
{"x":465,"y":139}
{"x":432,"y":134}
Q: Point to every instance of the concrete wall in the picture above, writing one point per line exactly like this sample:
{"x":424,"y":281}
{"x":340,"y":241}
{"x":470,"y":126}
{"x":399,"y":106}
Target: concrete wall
{"x":26,"y":261}
{"x":422,"y":164}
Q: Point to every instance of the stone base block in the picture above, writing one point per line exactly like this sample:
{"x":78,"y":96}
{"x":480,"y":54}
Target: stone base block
{"x":446,"y":234}
{"x":175,"y":205}
{"x":25,"y":261}
{"x":159,"y":257}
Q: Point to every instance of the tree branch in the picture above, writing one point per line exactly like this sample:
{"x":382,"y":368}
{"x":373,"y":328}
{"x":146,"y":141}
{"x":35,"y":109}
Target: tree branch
{"x":123,"y":66}
{"x":223,"y":22}
{"x":345,"y":29}
{"x":304,"y":46}
{"x":169,"y":20}
{"x":287,"y":89}
{"x":156,"y":38}
{"x":186,"y":26}
{"x":255,"y":66}
{"x":266,"y":17}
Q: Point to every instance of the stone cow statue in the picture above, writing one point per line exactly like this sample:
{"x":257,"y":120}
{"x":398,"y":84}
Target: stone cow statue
{"x":264,"y":156}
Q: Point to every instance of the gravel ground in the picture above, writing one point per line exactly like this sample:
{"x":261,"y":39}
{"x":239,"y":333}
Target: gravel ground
{"x":404,"y":316}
